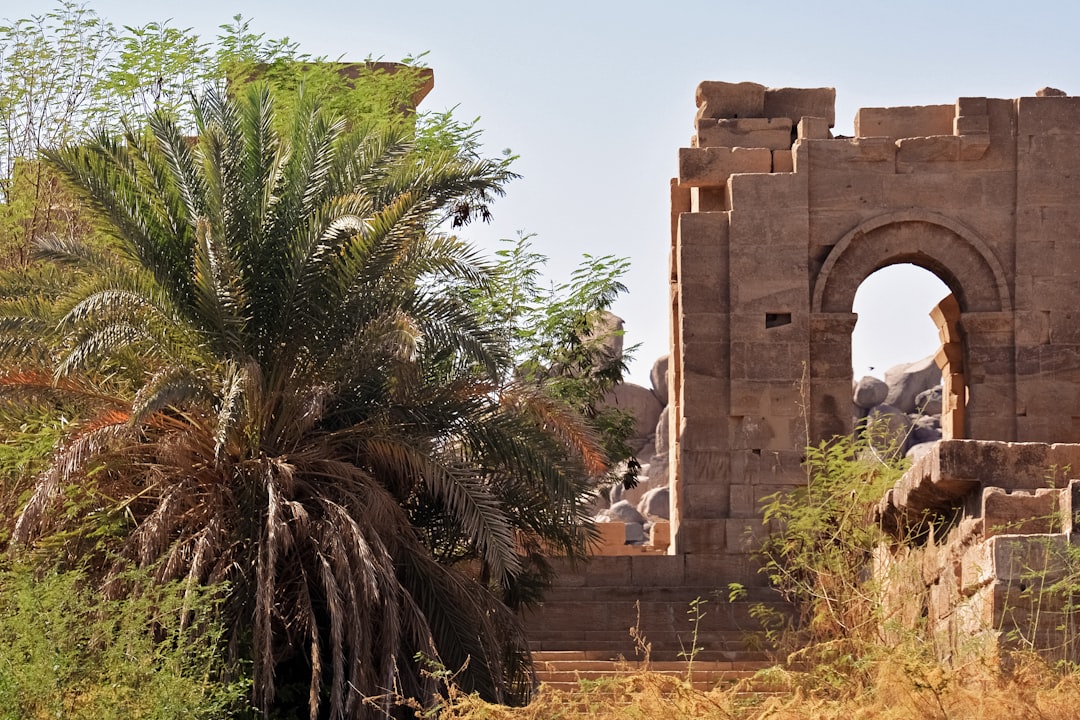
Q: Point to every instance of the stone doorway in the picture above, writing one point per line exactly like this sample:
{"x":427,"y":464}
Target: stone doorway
{"x":898,"y":360}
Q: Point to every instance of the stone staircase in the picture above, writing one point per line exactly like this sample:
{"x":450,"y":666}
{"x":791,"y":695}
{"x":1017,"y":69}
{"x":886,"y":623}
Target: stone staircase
{"x":565,"y":671}
{"x":616,"y":607}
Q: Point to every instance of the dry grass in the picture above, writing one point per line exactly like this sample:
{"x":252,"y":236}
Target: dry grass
{"x":894,"y":688}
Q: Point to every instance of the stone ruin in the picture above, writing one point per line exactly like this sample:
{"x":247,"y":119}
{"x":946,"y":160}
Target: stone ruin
{"x":774,"y":225}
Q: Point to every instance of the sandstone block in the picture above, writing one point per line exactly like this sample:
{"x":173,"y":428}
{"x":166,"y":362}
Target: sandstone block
{"x":612,"y":537}
{"x":700,"y":536}
{"x":796,"y":103}
{"x":742,"y":500}
{"x":660,"y":534}
{"x":905,"y":122}
{"x":1048,"y":115}
{"x":658,"y":571}
{"x":744,"y":536}
{"x":1021,"y":513}
{"x":813,"y":128}
{"x":972,"y":106}
{"x":783,"y":161}
{"x":706,"y":568}
{"x":772,"y":133}
{"x":831,"y":156}
{"x":730,"y":100}
{"x":937,"y":148}
{"x":708,"y":497}
{"x":971,"y":125}
{"x":711,"y":167}
{"x":1014,"y":559}
{"x":709,"y":199}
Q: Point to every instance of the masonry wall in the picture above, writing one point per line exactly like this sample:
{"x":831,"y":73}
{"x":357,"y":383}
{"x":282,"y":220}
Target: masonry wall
{"x":775,"y":226}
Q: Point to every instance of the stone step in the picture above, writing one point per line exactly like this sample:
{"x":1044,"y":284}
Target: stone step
{"x":565,"y":671}
{"x":623,"y":667}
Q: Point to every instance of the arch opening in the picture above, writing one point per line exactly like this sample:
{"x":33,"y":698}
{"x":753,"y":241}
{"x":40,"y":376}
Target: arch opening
{"x":906,"y":350}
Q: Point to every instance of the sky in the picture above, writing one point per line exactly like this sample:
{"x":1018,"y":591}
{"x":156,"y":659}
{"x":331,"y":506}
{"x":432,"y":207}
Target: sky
{"x":597,"y":96}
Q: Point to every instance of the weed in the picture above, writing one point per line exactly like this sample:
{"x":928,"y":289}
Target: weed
{"x":696,"y":616}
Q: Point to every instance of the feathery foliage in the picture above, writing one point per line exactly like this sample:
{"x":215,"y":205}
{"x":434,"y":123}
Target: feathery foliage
{"x":283,"y":388}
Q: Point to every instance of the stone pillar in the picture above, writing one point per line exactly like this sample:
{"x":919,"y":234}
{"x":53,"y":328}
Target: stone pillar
{"x":989,"y":370}
{"x":700,"y":489}
{"x":830,"y":375}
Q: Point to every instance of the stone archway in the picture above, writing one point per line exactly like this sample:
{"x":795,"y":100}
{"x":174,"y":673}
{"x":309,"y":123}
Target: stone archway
{"x":935,"y":242}
{"x":959,"y":258}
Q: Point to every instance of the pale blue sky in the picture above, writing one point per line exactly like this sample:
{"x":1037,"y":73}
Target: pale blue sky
{"x":597,"y":97}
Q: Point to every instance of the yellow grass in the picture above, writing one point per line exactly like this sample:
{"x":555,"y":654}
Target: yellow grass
{"x":894,"y":688}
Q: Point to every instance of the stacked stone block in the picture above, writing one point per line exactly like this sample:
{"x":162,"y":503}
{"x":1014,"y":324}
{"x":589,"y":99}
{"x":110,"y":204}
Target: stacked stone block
{"x":774,"y":226}
{"x":990,"y":560}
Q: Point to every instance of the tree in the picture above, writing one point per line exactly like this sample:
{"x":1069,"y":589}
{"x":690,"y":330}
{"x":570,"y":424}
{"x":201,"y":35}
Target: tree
{"x":69,"y":71}
{"x":283,"y":389}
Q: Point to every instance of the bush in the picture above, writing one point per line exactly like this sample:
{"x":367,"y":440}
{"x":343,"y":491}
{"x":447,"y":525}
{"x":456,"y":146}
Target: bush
{"x":67,"y":652}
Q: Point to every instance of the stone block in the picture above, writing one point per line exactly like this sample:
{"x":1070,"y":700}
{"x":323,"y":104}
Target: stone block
{"x":700,"y":536}
{"x":783,"y":161}
{"x":937,"y":148}
{"x":971,"y":106}
{"x":765,"y":296}
{"x":743,"y":503}
{"x":705,"y":359}
{"x":1065,"y":327}
{"x":1048,"y":116}
{"x":973,"y":147}
{"x":611,"y":537}
{"x":709,"y":498}
{"x":769,"y":196}
{"x":608,"y":572}
{"x":704,"y":468}
{"x":796,"y":103}
{"x":905,"y":122}
{"x":971,"y":125}
{"x":778,"y":361}
{"x":755,"y":432}
{"x":744,"y":535}
{"x":716,"y":569}
{"x":772,"y":133}
{"x":709,"y":230}
{"x":813,"y":128}
{"x":1016,"y":560}
{"x":707,"y":327}
{"x":712,"y":166}
{"x":709,"y":199}
{"x":1021,"y":513}
{"x":834,"y":154}
{"x":730,"y":100}
{"x":660,"y":535}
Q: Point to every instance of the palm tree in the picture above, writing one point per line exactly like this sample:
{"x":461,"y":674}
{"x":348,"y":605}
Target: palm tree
{"x":288,"y":395}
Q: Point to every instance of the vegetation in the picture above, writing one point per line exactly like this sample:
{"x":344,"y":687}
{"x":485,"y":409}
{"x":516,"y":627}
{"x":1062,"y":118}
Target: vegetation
{"x":258,"y":362}
{"x":823,"y":536}
{"x":66,"y":652}
{"x":900,"y":687}
{"x":843,"y":656}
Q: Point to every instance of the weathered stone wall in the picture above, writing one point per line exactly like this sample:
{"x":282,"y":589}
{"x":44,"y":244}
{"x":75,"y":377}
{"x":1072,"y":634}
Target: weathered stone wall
{"x":775,"y":224}
{"x":989,"y":558}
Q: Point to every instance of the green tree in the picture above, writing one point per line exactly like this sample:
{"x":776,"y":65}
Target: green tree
{"x":561,"y":336}
{"x":283,"y":389}
{"x":68,"y":71}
